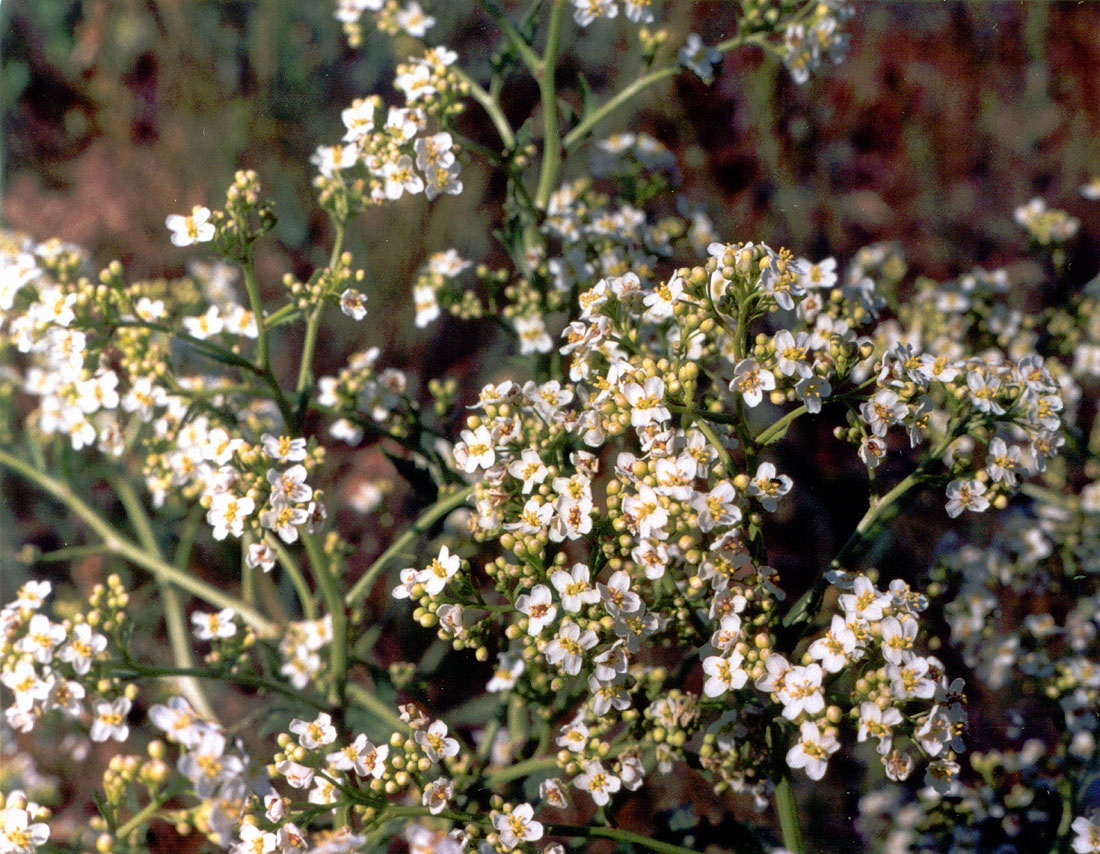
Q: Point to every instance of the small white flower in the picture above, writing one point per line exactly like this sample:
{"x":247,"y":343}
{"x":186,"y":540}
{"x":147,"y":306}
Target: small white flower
{"x":699,"y":58}
{"x":768,"y":487}
{"x":539,"y":608}
{"x":436,"y":795}
{"x":194,"y":228}
{"x":812,"y":751}
{"x":109,"y":720}
{"x":436,"y":743}
{"x":598,"y":782}
{"x":316,"y":733}
{"x":517,"y":826}
{"x":83,"y":647}
{"x":354,"y":304}
{"x":966,"y":495}
{"x":214,"y":625}
{"x":568,"y":647}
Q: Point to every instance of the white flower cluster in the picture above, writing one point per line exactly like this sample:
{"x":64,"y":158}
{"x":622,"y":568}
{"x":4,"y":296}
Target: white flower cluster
{"x":46,"y":666}
{"x":395,"y":152}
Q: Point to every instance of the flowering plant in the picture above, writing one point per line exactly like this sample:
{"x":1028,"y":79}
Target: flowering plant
{"x":597,"y":524}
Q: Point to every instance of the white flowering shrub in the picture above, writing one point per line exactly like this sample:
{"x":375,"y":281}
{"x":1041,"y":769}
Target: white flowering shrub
{"x":596,"y":525}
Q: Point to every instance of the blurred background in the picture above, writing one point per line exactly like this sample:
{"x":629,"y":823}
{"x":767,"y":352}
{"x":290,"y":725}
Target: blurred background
{"x":943,"y":118}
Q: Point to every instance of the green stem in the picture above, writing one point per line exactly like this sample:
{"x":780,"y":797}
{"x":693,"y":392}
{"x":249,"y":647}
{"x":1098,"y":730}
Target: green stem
{"x":179,"y":638}
{"x":290,"y":566}
{"x":329,"y":585}
{"x":364,"y":698}
{"x":548,"y":95}
{"x":515,"y":38}
{"x":579,"y":133}
{"x":123,"y":547}
{"x":263,"y":355}
{"x":717,"y":443}
{"x":428,"y":518}
{"x":491,"y":107}
{"x":521,"y":769}
{"x":787,"y":808}
{"x":137,"y":670}
{"x":305,"y":367}
{"x":779,"y":428}
{"x":72,"y":553}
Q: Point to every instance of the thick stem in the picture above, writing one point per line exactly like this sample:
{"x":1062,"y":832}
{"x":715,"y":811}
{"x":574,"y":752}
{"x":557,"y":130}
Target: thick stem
{"x":263,"y":354}
{"x":787,"y":808}
{"x":548,"y":95}
{"x":120,"y":545}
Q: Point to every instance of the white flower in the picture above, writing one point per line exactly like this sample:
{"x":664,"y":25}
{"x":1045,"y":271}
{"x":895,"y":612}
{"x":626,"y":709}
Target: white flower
{"x":568,"y":647}
{"x":400,"y":178}
{"x":617,"y":596}
{"x":539,"y":608}
{"x":897,"y":638}
{"x":83,"y":647}
{"x":290,"y":485}
{"x":362,"y":756}
{"x":874,"y":721}
{"x":255,"y":841}
{"x":966,"y":495}
{"x":865,"y":602}
{"x":752,"y":380}
{"x":436,"y":743}
{"x":353,"y":303}
{"x":1087,"y":840}
{"x":179,"y":721}
{"x":725,"y":673}
{"x":587,"y":11}
{"x":205,"y":325}
{"x":573,"y":587}
{"x":834,"y":651}
{"x":646,"y":402}
{"x":283,"y":518}
{"x":598,"y":782}
{"x":943,"y":776}
{"x":475,"y":450}
{"x":25,"y":684}
{"x":439,"y":571}
{"x":215,"y":625}
{"x":911,"y":679}
{"x":260,"y":555}
{"x":194,"y":228}
{"x":41,"y":638}
{"x":509,"y":668}
{"x":316,"y":733}
{"x":529,"y":468}
{"x":436,"y":795}
{"x":812,"y":751}
{"x":285,"y":449}
{"x":426,"y":305}
{"x":533,"y":337}
{"x":699,"y":58}
{"x":18,"y":835}
{"x":109,"y":720}
{"x":413,"y":21}
{"x":517,"y":826}
{"x":768,"y":488}
{"x":801,"y":692}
